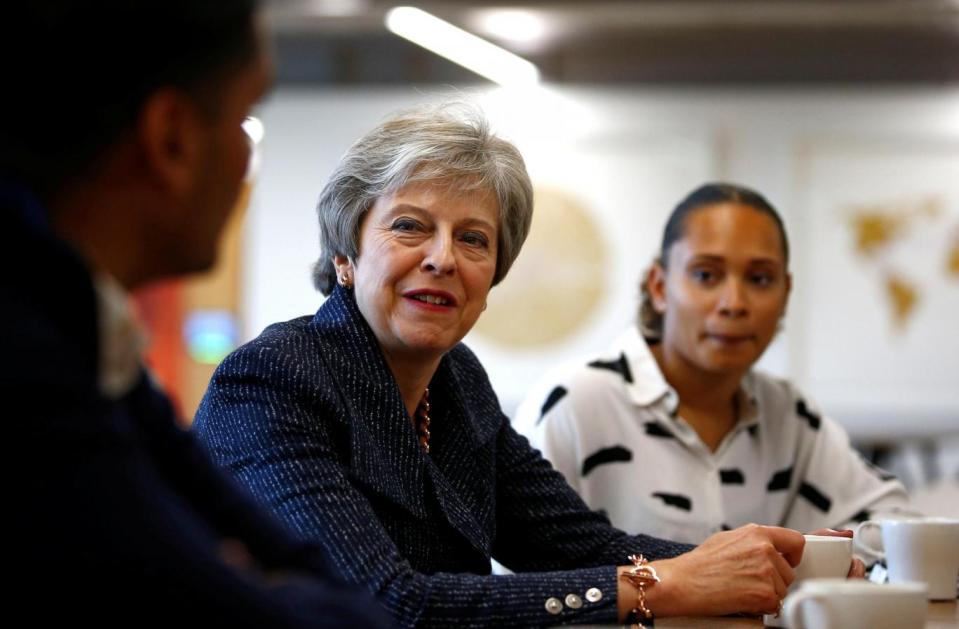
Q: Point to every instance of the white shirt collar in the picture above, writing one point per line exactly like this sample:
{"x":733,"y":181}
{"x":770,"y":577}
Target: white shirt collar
{"x":649,"y":386}
{"x":121,"y":340}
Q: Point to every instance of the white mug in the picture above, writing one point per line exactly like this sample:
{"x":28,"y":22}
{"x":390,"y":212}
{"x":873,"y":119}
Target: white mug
{"x":856,"y":604}
{"x":822,"y":556}
{"x":921,"y":549}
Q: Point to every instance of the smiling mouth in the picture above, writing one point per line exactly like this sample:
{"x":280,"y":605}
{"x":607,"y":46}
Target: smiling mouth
{"x":436,"y":300}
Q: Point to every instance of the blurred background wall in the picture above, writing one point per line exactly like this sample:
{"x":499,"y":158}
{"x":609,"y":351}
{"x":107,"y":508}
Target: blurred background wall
{"x":844,"y":114}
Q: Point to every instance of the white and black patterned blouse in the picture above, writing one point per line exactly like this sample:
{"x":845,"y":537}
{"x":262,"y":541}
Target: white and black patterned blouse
{"x":310,"y":419}
{"x":610,"y":425}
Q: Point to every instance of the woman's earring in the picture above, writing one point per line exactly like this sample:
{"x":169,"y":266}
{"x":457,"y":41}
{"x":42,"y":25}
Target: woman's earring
{"x":345,"y":281}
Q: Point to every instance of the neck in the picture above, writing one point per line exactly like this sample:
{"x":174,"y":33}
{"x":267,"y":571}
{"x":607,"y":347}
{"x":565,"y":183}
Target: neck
{"x":100,"y":219}
{"x":697,"y":388}
{"x":706,"y":399}
{"x":101,"y":215}
{"x":412,"y":375}
{"x":101,"y":246}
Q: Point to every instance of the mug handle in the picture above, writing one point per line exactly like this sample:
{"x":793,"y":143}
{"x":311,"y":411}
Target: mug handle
{"x":865,"y":526}
{"x":792,"y":608}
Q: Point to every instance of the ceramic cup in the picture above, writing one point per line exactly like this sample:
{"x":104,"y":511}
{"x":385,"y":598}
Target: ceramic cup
{"x":856,"y":604}
{"x":921,"y":549}
{"x":823,"y":556}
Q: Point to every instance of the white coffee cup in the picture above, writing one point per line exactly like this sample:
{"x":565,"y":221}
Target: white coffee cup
{"x":822,"y":556}
{"x":856,"y":604}
{"x":921,"y":549}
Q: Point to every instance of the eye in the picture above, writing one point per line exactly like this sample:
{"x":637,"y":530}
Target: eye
{"x":762,"y":279}
{"x":475,"y":239}
{"x":703,"y":276}
{"x":405,"y":225}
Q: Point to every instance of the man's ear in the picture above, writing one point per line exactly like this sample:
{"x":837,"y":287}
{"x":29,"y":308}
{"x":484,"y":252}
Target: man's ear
{"x":170,"y":134}
{"x":656,"y":285}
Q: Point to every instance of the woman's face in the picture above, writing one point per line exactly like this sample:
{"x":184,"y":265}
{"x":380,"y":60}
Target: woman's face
{"x":725,"y":288}
{"x":426,"y":263}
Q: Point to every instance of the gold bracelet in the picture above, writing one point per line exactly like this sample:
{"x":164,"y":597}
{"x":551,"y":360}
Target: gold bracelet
{"x":639,"y":576}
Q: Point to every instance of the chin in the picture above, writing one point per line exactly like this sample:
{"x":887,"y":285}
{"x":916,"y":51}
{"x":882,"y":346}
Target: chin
{"x":723,"y":364}
{"x":428,"y":345}
{"x":198,"y":266}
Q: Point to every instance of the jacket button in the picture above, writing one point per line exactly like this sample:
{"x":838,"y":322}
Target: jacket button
{"x":594,"y":595}
{"x":573,"y":601}
{"x":553,"y":605}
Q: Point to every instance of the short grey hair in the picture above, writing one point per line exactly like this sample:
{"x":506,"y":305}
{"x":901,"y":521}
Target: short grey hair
{"x":449,"y":143}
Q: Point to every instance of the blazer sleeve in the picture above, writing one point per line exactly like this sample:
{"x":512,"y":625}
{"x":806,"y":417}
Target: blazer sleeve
{"x":544,"y":524}
{"x":262,"y":418}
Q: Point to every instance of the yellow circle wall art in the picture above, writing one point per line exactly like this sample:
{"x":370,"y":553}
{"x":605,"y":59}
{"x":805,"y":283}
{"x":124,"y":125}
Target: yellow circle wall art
{"x":558,"y":281}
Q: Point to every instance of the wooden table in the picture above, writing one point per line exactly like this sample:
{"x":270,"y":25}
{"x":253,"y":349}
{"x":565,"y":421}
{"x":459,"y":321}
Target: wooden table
{"x":940,"y":616}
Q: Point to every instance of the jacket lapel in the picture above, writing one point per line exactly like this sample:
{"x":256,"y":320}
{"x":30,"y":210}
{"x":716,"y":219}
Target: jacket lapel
{"x":463,"y":464}
{"x":385,"y":454}
{"x":460,"y":466}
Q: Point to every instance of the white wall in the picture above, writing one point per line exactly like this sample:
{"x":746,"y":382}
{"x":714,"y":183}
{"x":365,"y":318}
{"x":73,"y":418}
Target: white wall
{"x":631,"y":155}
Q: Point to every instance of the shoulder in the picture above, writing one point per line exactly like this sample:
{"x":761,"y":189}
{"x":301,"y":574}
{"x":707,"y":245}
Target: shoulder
{"x":574,"y":389}
{"x":282,"y":363}
{"x":770,"y":389}
{"x":610,"y":380}
{"x":279,"y":342}
{"x":583,"y":380}
{"x":463,"y":358}
{"x":785,"y":408}
{"x":271,"y":381}
{"x":469,"y":375}
{"x":284,"y":335}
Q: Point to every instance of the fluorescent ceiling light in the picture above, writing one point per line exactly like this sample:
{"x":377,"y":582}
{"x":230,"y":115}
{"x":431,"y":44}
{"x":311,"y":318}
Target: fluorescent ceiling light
{"x":343,"y":8}
{"x":468,"y":50}
{"x":515,"y":25}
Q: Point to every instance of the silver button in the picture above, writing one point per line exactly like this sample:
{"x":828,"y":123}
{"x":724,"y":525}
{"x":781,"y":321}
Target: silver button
{"x":573,"y":601}
{"x":553,"y":605}
{"x":594,"y":595}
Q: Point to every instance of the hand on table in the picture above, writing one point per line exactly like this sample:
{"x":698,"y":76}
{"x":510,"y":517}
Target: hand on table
{"x":743,"y":570}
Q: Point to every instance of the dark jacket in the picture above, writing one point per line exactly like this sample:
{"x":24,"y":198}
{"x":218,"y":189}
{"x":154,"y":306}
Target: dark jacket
{"x":118,"y":515}
{"x":309,"y":417}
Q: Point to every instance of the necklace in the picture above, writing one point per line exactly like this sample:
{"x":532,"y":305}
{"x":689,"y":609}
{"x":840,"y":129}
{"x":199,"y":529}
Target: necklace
{"x":423,"y":421}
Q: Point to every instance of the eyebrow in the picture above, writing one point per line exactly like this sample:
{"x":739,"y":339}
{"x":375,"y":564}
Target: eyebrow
{"x":479,"y":222}
{"x":708,"y":257}
{"x":416,"y":209}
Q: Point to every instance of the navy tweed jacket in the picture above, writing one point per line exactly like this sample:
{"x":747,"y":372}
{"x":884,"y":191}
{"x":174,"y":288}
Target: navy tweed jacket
{"x":309,"y":417}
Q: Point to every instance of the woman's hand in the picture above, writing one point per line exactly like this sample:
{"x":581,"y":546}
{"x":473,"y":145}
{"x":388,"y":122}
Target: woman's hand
{"x":857,"y":569}
{"x":744,"y":570}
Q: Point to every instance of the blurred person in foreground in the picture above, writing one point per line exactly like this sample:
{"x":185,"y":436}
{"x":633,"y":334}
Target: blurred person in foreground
{"x":122,"y":155}
{"x":678,"y":394}
{"x":369,"y":428}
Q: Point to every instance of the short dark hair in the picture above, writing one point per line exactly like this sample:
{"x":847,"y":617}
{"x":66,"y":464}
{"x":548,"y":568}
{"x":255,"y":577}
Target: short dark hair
{"x":650,"y":321}
{"x":712,"y":194}
{"x":87,"y":66}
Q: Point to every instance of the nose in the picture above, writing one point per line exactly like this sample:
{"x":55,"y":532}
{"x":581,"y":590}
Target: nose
{"x":440,"y":258}
{"x":733,"y":301}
